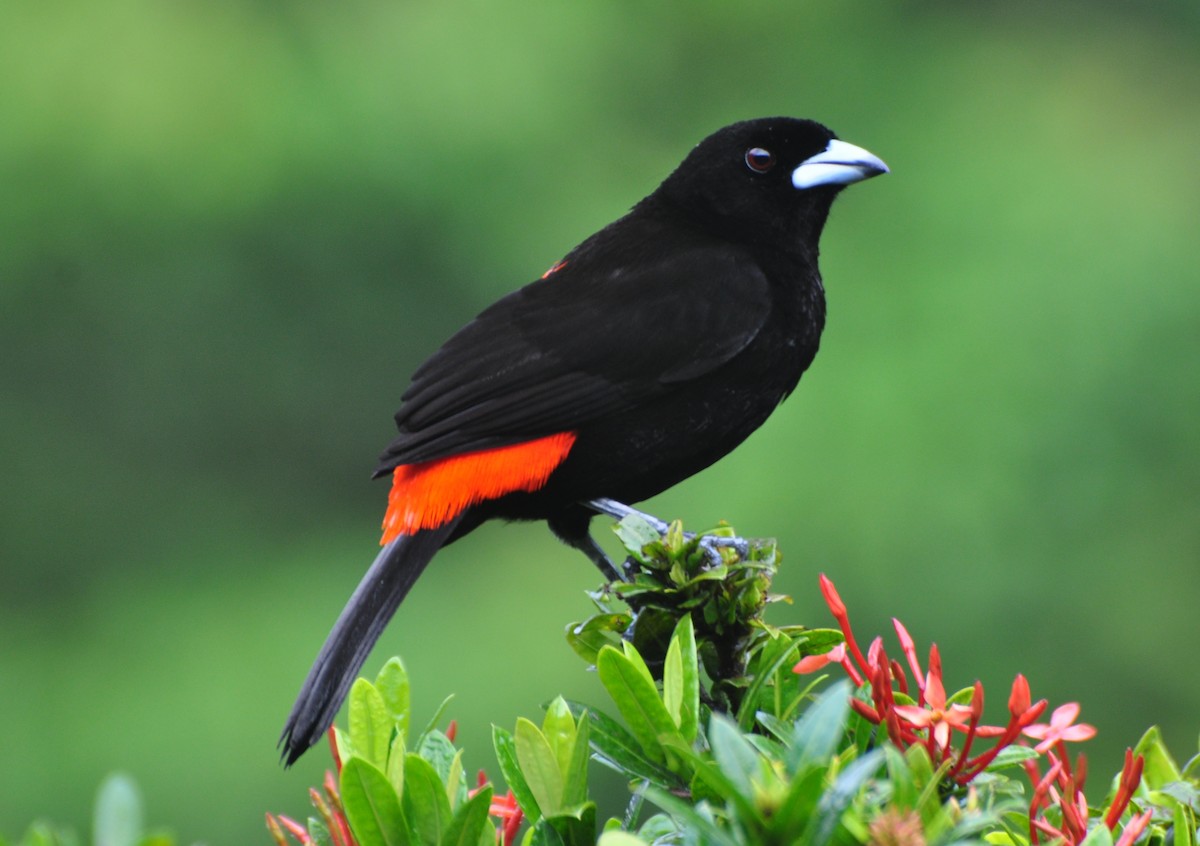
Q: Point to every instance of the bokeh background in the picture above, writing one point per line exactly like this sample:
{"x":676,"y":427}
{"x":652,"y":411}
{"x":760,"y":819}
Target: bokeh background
{"x":229,"y":231}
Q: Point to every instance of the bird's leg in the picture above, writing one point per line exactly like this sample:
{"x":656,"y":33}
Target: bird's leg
{"x":619,"y":511}
{"x":571,"y":527}
{"x":711,"y":544}
{"x":592,"y":550}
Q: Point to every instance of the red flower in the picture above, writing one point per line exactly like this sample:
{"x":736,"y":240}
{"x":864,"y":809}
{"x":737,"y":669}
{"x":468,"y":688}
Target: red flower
{"x":812,"y":663}
{"x":1133,"y":829}
{"x":935,"y":715}
{"x":886,"y":679}
{"x":506,"y":809}
{"x":1062,"y":727}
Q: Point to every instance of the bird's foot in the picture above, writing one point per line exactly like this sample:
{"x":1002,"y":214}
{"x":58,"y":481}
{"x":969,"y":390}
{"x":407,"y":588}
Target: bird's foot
{"x":619,"y":511}
{"x":710,"y":544}
{"x":713,"y":544}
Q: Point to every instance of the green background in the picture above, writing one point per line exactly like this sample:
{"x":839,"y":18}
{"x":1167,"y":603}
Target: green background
{"x":230,"y":230}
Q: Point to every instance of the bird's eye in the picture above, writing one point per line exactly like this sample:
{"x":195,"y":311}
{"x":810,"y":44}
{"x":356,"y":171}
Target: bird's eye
{"x":759,"y":160}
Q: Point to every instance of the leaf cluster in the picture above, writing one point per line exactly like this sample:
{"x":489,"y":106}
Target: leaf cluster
{"x":810,"y":780}
{"x":397,"y":792}
{"x":722,"y":583}
{"x":118,"y":819}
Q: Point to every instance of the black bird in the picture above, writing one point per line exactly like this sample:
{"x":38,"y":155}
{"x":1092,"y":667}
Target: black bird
{"x":648,"y":352}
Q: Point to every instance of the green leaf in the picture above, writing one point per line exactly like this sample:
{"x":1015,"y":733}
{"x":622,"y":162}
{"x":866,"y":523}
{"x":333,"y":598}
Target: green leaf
{"x":711,"y":778}
{"x":575,"y":827}
{"x":961,"y":697}
{"x":837,"y":798}
{"x":455,"y":788}
{"x":999,"y":838}
{"x":43,"y":834}
{"x":689,"y":818}
{"x":772,"y":658}
{"x":620,"y":838}
{"x":1176,"y":794}
{"x":392,"y":684}
{"x":318,"y":832}
{"x":820,"y":729}
{"x":620,"y":750}
{"x":372,"y":806}
{"x":768,"y":748}
{"x":539,"y":766}
{"x":469,"y":821}
{"x":1011,"y":756}
{"x":658,"y":828}
{"x":672,"y":692}
{"x":652,"y":635}
{"x":424,"y":801}
{"x":904,"y":790}
{"x":596,"y":632}
{"x":118,"y":816}
{"x":395,"y":763}
{"x":1191,"y":769}
{"x":710,"y":574}
{"x":799,"y":804}
{"x":1184,"y":826}
{"x":436,"y":719}
{"x":506,"y":755}
{"x":489,"y":836}
{"x":156,"y":838}
{"x":1098,"y":836}
{"x":819,"y":641}
{"x":920,"y":765}
{"x":635,"y":659}
{"x":558,"y":727}
{"x":738,"y":760}
{"x":681,"y":678}
{"x":437,"y":749}
{"x":544,"y":834}
{"x":635,"y":534}
{"x":674,"y":539}
{"x":775,"y":726}
{"x":632,"y":689}
{"x":1160,"y":767}
{"x":370,"y":723}
{"x":575,"y":777}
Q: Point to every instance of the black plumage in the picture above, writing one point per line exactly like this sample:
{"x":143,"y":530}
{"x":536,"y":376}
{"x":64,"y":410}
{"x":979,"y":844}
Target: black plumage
{"x":661,"y":342}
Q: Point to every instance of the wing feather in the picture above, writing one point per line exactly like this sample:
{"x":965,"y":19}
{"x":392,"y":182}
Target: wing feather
{"x":594,"y":339}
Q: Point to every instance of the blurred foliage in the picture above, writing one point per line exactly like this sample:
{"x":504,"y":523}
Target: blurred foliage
{"x":118,"y":819}
{"x":228,"y":232}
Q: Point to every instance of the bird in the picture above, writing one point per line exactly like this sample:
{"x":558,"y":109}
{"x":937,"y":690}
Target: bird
{"x":648,"y":352}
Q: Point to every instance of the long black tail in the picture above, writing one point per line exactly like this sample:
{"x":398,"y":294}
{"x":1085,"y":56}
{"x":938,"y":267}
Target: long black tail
{"x":375,"y":600}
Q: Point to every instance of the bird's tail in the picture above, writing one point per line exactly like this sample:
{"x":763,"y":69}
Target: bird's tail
{"x":376,"y":599}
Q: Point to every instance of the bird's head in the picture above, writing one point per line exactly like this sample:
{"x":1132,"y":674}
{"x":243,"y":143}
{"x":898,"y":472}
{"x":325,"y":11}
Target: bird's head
{"x":770,"y":180}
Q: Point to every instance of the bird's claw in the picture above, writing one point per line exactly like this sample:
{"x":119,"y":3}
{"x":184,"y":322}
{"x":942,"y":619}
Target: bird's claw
{"x":713,"y":544}
{"x":710,"y":544}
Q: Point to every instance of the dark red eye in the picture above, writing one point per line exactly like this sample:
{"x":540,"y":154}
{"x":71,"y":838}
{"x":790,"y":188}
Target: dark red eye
{"x":759,"y":160}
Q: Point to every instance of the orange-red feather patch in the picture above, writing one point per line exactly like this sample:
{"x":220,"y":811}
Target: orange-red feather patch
{"x":426,"y":495}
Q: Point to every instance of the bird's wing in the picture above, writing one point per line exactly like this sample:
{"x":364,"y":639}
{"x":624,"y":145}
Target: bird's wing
{"x":578,"y":345}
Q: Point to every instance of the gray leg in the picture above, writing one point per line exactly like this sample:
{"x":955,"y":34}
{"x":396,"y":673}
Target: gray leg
{"x":619,"y":511}
{"x":571,"y":527}
{"x":709,"y":543}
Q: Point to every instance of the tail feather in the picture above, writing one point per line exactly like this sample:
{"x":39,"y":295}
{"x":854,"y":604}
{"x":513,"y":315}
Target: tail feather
{"x":375,"y":600}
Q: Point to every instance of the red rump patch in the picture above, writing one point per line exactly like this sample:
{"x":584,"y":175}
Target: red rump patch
{"x":426,"y":495}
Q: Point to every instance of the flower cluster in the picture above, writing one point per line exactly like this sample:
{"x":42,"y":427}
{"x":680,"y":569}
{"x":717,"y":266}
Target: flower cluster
{"x":927,"y":717}
{"x":328,"y":803}
{"x":923,"y":715}
{"x":506,"y":811}
{"x":1058,"y":794}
